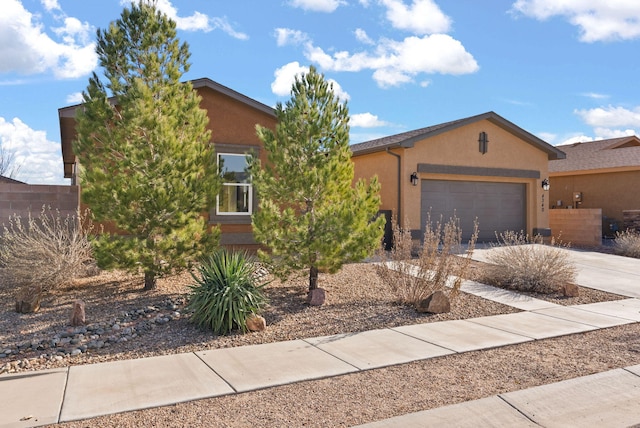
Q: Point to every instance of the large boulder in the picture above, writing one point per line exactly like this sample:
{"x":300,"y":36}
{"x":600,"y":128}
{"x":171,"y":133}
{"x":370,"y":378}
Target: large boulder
{"x":316,"y":297}
{"x":256,"y":323}
{"x":436,"y":303}
{"x":28,"y":299}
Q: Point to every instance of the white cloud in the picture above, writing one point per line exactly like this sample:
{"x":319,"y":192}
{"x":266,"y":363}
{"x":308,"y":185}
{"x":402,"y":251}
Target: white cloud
{"x":338,"y":91}
{"x":363,"y":37}
{"x":287,"y":36}
{"x":50,"y":5}
{"x":326,"y":6}
{"x":75,"y":98}
{"x":40,"y":159}
{"x":398,"y":62}
{"x":610,"y":117}
{"x":422,"y":17}
{"x":597,"y":20}
{"x":286,"y":75}
{"x":197,"y":21}
{"x":366,"y":120}
{"x":595,"y":95}
{"x":548,"y":137}
{"x":25,"y":48}
{"x":224,"y":25}
{"x":577,"y":138}
{"x":606,"y":133}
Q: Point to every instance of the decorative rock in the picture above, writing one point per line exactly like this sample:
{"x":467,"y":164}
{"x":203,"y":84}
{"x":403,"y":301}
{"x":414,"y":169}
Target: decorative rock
{"x":570,"y":290}
{"x":256,"y":323}
{"x":436,"y":303}
{"x":316,"y":297}
{"x":77,"y":314}
{"x":28,"y":299}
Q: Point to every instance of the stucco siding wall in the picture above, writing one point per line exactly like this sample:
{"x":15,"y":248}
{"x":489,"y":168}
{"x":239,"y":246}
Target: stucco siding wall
{"x":579,"y":227}
{"x":613,"y":192}
{"x":385,"y":167}
{"x":459,"y":147}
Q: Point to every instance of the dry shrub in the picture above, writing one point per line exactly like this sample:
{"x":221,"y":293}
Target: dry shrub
{"x":525,"y":264}
{"x":436,"y":268}
{"x":627,"y":243}
{"x":42,"y":253}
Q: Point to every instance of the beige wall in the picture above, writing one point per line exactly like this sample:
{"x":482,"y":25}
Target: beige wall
{"x":613,"y":192}
{"x":459,"y":147}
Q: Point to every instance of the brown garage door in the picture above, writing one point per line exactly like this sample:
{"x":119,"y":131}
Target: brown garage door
{"x":498,"y":206}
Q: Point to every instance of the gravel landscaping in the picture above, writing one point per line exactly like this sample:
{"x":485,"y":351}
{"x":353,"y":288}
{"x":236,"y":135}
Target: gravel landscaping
{"x":124,"y":322}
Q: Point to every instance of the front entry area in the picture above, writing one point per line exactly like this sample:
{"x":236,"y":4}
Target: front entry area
{"x":497,"y":206}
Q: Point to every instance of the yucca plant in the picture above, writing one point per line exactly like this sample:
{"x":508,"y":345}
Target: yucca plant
{"x":226,"y":292}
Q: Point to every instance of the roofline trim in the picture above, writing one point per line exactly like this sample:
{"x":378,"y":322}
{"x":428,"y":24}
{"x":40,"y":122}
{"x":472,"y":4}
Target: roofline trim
{"x":552,"y":152}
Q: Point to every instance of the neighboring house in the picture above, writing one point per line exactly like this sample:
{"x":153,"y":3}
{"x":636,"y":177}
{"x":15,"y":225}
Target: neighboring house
{"x":598,"y":174}
{"x":482,"y":167}
{"x":232,"y":121}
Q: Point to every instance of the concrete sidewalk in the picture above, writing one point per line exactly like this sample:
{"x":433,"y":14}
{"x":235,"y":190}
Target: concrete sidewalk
{"x":608,"y":399}
{"x":79,"y":392}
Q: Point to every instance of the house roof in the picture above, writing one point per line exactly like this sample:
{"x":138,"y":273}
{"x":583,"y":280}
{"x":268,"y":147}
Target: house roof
{"x":408,"y":139}
{"x":598,"y":155}
{"x":4,"y":179}
{"x":66,"y":113}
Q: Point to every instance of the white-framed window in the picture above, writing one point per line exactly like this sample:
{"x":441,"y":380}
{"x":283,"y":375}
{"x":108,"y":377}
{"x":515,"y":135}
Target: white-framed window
{"x":235,"y":198}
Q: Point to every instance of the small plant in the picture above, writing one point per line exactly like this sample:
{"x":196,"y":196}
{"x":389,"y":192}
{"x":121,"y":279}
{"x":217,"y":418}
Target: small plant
{"x":225,"y":293}
{"x":437,"y":267}
{"x":525,"y":264}
{"x":627,"y":243}
{"x":41,"y":253}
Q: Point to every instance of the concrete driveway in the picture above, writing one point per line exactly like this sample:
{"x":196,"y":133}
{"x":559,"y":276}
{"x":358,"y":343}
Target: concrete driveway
{"x":606,"y":272}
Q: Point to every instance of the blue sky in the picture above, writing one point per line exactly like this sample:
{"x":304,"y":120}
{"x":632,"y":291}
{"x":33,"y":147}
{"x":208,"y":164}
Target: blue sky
{"x":564,"y":71}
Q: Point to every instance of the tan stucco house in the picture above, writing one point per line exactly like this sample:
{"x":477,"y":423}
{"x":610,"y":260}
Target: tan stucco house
{"x":598,"y":174}
{"x":482,"y":166}
{"x":232,"y":121}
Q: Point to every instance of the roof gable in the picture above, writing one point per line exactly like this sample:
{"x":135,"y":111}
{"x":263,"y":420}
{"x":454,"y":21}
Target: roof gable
{"x":408,"y":139}
{"x":67,"y":117}
{"x":621,"y":152}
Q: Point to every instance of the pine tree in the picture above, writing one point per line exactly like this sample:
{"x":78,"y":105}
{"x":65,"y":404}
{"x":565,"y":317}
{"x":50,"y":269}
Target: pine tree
{"x":311,"y":215}
{"x":147,"y":163}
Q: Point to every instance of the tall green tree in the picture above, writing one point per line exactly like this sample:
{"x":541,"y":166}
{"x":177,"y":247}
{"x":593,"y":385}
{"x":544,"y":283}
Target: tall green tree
{"x":311,"y":214}
{"x":147,"y":163}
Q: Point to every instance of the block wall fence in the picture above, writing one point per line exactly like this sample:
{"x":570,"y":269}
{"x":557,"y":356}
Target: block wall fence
{"x":22,"y":199}
{"x":581,"y":227}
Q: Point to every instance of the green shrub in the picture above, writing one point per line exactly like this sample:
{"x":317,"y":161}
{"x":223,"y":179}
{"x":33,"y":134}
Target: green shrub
{"x":523,"y":264}
{"x":627,"y":243}
{"x":41,"y":253}
{"x":436,"y":268}
{"x":226,"y":292}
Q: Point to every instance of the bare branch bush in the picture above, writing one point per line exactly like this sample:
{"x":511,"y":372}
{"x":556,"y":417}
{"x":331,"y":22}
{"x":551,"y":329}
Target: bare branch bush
{"x":42,"y":253}
{"x":438,"y":267}
{"x":525,"y":264}
{"x":8,"y":166}
{"x":627,"y":243}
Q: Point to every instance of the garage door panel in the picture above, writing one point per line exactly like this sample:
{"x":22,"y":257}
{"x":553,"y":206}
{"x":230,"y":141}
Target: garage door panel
{"x":498,"y":206}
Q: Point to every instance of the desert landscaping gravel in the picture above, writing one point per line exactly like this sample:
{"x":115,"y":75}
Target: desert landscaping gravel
{"x":124,"y":322}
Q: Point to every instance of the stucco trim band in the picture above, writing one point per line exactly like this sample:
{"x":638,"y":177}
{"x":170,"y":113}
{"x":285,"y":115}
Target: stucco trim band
{"x":476,"y":170}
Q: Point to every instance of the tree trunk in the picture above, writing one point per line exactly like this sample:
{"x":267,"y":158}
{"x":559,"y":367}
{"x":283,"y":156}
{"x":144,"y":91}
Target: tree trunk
{"x":313,"y":278}
{"x":149,"y":281}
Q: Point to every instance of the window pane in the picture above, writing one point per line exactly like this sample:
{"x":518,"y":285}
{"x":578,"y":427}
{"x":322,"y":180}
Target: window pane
{"x":232,"y":168}
{"x":234,"y":199}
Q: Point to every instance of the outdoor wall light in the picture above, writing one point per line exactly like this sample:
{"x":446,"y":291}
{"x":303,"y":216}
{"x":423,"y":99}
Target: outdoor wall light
{"x":414,"y":178}
{"x":545,"y":184}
